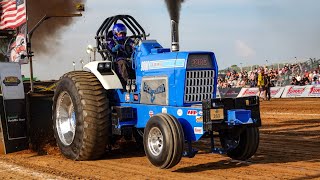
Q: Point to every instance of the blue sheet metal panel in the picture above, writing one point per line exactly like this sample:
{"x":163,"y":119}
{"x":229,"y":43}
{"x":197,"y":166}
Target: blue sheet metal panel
{"x":239,"y":116}
{"x":193,"y":128}
{"x":216,"y":69}
{"x":180,"y":79}
{"x":162,"y":64}
{"x":127,"y":123}
{"x":145,"y":47}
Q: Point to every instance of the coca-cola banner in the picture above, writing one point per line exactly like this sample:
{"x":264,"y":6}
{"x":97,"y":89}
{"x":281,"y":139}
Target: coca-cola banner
{"x":301,"y":91}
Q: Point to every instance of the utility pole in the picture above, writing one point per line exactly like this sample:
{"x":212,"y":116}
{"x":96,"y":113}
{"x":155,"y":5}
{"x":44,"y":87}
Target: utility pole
{"x":94,"y":53}
{"x":81,"y":61}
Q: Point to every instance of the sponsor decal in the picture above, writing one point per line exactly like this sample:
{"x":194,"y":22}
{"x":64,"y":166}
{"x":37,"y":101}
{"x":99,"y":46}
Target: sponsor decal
{"x":250,"y":92}
{"x":200,"y":113}
{"x":11,"y":81}
{"x":147,"y":89}
{"x":15,"y":119}
{"x":292,"y":91}
{"x":198,"y":130}
{"x":314,"y":90}
{"x":127,"y":97}
{"x":162,"y":64}
{"x":179,"y":112}
{"x":136,"y":97}
{"x":164,"y":110}
{"x":192,"y":112}
{"x":199,"y":119}
{"x":150,"y":113}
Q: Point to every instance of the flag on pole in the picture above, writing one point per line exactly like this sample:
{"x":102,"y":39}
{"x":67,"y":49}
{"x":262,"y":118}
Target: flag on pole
{"x":12,"y":14}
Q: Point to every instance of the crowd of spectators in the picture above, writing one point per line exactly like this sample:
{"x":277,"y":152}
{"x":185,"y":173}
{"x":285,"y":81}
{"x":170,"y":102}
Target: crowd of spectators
{"x":294,"y":74}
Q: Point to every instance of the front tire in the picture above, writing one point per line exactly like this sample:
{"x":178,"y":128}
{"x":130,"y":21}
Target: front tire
{"x":246,"y":144}
{"x":163,"y":141}
{"x":81,"y":115}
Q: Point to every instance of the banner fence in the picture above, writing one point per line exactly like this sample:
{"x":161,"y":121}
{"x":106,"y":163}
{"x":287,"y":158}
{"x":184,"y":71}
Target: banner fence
{"x":276,"y":92}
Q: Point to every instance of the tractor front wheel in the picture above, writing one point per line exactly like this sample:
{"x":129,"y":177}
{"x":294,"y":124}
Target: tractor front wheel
{"x":163,"y":141}
{"x":243,"y":146}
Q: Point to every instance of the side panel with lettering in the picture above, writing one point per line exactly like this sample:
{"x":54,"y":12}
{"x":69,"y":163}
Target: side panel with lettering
{"x":154,"y":90}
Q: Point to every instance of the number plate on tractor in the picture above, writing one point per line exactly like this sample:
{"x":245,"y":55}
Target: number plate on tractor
{"x":216,"y":114}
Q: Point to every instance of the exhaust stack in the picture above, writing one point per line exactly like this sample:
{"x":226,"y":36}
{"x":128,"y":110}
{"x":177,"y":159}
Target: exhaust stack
{"x":174,"y":36}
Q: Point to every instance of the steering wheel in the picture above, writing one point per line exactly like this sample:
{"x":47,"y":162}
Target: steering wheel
{"x":128,"y":47}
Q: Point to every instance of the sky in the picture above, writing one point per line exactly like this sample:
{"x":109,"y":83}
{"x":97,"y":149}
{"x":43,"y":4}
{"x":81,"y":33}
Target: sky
{"x":240,"y":32}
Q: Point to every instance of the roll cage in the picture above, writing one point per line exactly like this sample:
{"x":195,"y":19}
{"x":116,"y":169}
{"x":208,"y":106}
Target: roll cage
{"x":104,"y":33}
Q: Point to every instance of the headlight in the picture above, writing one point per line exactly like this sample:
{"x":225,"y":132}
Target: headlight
{"x":107,"y":65}
{"x":104,"y":68}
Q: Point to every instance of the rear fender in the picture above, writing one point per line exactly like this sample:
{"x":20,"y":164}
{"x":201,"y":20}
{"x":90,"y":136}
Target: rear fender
{"x":110,"y":81}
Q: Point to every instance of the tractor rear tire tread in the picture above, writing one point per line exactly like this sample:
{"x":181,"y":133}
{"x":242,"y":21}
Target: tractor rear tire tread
{"x":92,"y":111}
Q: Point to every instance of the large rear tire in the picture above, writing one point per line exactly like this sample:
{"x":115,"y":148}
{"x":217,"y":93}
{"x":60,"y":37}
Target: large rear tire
{"x":246,"y":144}
{"x":81,"y":113}
{"x":163,"y":141}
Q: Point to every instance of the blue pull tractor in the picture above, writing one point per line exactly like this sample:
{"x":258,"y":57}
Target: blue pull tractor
{"x":168,"y":102}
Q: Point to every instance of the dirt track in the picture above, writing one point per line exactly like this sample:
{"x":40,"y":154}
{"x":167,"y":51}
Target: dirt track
{"x":289,"y":149}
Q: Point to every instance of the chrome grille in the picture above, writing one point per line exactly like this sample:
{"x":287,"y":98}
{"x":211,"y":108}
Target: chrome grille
{"x":199,"y":85}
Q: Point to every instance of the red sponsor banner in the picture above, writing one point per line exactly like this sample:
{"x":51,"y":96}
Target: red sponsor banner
{"x":301,"y":91}
{"x":192,"y":112}
{"x":295,"y":91}
{"x":314,"y":91}
{"x":274,"y":91}
{"x":285,"y":92}
{"x":248,"y":92}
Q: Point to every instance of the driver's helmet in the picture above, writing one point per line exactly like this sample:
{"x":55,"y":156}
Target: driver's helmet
{"x":119,"y":31}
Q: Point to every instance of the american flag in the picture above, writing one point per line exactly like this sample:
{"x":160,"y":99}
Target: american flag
{"x":12,"y":13}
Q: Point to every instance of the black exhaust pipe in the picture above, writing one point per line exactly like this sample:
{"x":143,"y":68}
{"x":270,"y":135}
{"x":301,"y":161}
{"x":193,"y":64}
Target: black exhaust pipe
{"x":174,"y":36}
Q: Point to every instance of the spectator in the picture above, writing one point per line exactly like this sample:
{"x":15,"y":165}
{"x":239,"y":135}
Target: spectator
{"x":315,"y":81}
{"x":268,"y":85}
{"x":261,"y":83}
{"x":293,"y":81}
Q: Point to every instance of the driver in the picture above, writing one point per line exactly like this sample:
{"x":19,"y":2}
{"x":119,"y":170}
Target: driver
{"x":120,"y":54}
